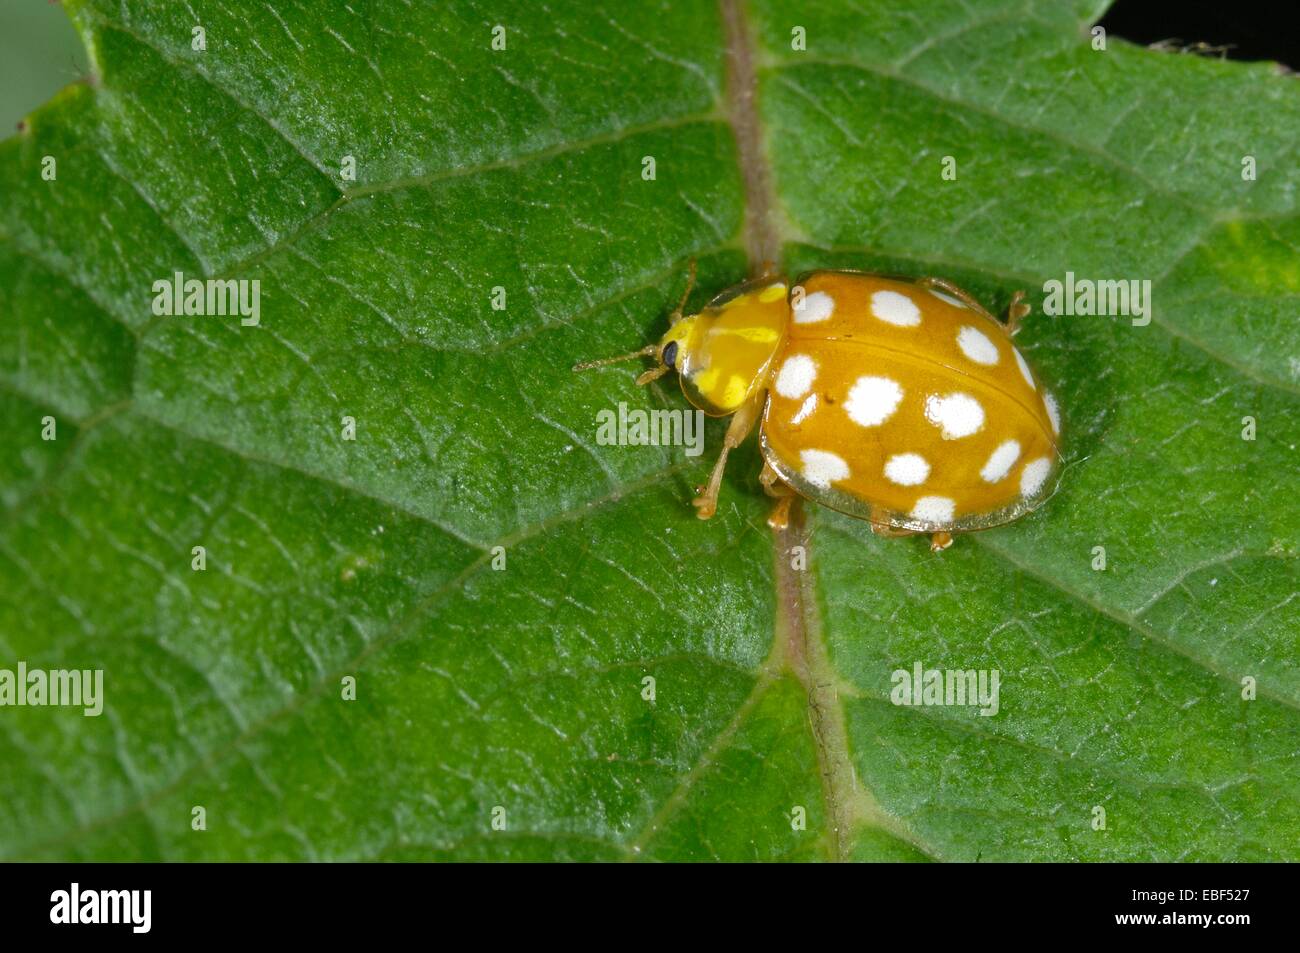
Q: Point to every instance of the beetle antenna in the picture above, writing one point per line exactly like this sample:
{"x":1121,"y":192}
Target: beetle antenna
{"x":690,"y":283}
{"x":644,"y":352}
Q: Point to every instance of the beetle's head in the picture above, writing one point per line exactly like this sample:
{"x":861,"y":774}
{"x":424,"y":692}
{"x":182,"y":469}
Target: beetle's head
{"x":672,"y":349}
{"x":676,"y":343}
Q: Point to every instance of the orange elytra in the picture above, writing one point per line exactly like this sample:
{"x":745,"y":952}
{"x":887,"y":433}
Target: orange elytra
{"x":904,"y":403}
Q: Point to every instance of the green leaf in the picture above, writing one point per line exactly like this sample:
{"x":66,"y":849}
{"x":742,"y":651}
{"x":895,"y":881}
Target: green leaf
{"x":518,"y":690}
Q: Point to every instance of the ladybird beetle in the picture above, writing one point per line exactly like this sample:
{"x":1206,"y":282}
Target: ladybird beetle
{"x":900,"y":402}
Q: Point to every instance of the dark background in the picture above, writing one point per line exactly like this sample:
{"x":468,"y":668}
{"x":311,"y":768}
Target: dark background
{"x":1251,"y":29}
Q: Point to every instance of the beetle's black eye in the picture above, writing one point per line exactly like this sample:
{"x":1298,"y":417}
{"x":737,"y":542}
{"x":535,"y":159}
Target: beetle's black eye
{"x":670,"y":354}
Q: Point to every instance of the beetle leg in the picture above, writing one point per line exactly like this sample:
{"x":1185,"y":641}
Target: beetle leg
{"x":961,"y":294}
{"x":770,"y":481}
{"x":890,"y":532}
{"x":779,"y":518}
{"x":938,"y":541}
{"x":742,"y":422}
{"x":880,"y":525}
{"x":1015,"y":311}
{"x":782,"y":492}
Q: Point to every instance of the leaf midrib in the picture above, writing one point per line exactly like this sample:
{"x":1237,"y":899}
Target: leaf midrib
{"x":799,"y":642}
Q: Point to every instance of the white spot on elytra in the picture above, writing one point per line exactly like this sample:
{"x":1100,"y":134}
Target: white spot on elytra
{"x":872,"y":400}
{"x":948,"y":298}
{"x":907,"y":469}
{"x":1000,"y":461}
{"x":822,"y":468}
{"x":1053,"y":412}
{"x":894,"y":308}
{"x":796,"y":376}
{"x":1033,"y":475}
{"x":960,"y":415}
{"x":805,"y":409}
{"x":815,"y":307}
{"x":934,"y":509}
{"x":1024,"y":369}
{"x":976,"y":345}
